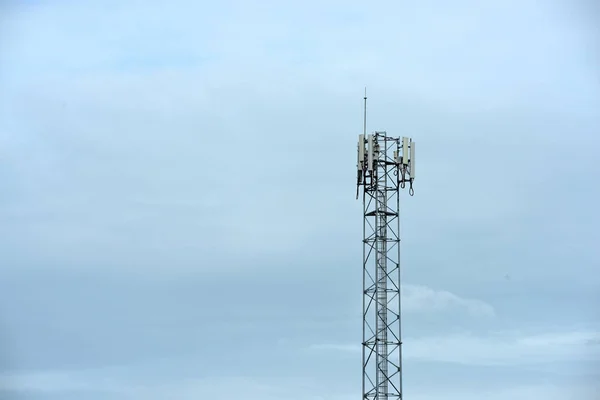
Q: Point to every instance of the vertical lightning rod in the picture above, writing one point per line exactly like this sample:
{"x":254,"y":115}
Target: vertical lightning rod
{"x":365,"y":115}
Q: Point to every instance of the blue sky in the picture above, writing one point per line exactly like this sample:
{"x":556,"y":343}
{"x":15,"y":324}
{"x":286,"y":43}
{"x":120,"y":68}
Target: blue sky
{"x":178,"y":214}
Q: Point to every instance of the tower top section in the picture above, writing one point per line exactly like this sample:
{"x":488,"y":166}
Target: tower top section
{"x":379,"y":153}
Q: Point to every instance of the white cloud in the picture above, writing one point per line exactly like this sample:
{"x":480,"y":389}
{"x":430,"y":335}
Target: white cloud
{"x":94,"y":382}
{"x":499,"y":349}
{"x":418,"y":298}
{"x":517,"y":392}
{"x":54,"y":382}
{"x":508,"y":349}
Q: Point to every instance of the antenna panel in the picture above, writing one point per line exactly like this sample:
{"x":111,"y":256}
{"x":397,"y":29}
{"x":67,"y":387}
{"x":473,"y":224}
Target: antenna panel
{"x":370,"y":152}
{"x":405,"y":151}
{"x":361,"y":152}
{"x":412,"y":160}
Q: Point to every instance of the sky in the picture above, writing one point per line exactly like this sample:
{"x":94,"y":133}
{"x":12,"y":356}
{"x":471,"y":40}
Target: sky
{"x":177,"y":197}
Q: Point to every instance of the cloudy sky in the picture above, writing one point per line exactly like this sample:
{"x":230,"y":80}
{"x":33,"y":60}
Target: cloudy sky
{"x":177,"y":202}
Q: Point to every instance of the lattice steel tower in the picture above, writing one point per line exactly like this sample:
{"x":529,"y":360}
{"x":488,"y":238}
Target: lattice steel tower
{"x":385,"y":165}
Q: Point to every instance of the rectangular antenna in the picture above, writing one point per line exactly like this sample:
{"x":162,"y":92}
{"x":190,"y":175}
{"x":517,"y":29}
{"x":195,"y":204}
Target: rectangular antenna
{"x":412,"y":160}
{"x":405,"y":150}
{"x":370,"y":150}
{"x":361,"y":152}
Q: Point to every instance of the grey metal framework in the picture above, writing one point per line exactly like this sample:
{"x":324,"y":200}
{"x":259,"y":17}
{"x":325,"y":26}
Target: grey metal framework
{"x":383,"y":170}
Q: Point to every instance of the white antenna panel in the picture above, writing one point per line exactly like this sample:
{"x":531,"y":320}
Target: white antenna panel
{"x":361,"y":151}
{"x":370,"y":150}
{"x":412,"y":160}
{"x":405,"y":151}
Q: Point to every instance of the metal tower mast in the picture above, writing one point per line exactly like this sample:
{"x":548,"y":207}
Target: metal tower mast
{"x":385,"y":165}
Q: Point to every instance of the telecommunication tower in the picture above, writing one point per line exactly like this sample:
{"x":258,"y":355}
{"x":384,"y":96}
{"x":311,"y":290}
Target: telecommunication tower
{"x":385,"y":165}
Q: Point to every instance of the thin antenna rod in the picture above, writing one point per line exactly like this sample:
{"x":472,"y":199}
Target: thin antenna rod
{"x":365,"y":116}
